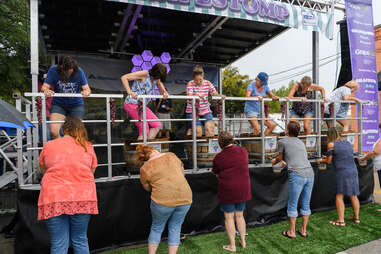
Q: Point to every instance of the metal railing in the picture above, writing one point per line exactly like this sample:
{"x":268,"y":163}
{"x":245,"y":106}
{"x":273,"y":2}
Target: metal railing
{"x":34,"y":148}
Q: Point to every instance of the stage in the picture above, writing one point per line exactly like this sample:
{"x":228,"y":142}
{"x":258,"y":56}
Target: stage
{"x":124,"y":212}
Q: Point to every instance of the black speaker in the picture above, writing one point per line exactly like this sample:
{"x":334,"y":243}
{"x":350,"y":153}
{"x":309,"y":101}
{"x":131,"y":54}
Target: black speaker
{"x":346,"y":69}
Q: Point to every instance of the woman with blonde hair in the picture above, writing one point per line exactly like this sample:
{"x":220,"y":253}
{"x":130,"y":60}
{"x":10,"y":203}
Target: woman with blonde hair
{"x":68,"y":196}
{"x":162,"y":174}
{"x":340,"y":153}
{"x":304,"y":90}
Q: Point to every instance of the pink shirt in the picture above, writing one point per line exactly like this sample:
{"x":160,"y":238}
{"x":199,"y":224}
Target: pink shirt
{"x":204,"y":90}
{"x":68,"y":185}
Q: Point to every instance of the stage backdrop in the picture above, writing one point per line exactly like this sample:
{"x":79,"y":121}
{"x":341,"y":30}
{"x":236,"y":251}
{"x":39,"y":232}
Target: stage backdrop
{"x":363,"y":60}
{"x":124,"y":213}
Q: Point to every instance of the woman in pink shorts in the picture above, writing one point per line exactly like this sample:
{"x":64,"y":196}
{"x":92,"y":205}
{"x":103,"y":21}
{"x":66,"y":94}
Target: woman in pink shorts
{"x":144,"y":84}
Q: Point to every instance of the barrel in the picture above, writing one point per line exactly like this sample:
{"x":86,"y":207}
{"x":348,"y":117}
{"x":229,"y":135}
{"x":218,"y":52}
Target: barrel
{"x":310,"y":142}
{"x":206,"y":151}
{"x":131,"y":157}
{"x":254,"y":147}
{"x":349,"y":136}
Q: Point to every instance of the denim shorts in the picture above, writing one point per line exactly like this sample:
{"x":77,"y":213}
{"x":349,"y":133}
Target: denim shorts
{"x":78,"y":111}
{"x":208,"y":117}
{"x":229,"y":208}
{"x":308,"y":113}
{"x":337,"y":116}
{"x":251,"y":114}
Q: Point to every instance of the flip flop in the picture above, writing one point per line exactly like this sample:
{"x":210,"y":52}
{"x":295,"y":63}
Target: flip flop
{"x":228,"y":248}
{"x":300,"y":233}
{"x":338,"y":223}
{"x":285,"y":234}
{"x":357,"y":221}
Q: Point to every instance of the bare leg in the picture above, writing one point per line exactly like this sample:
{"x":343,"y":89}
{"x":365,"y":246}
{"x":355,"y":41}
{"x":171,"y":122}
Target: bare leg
{"x":345,"y":124}
{"x":159,"y":134}
{"x":292,"y":227}
{"x":356,"y":207}
{"x":230,"y":230}
{"x":189,"y":132}
{"x":340,"y":207}
{"x":199,"y":131}
{"x":270,"y":127}
{"x":307,"y":125}
{"x":241,"y":227}
{"x":152,"y":248}
{"x":209,"y":129}
{"x":55,"y":127}
{"x":254,"y":123}
{"x":303,"y":229}
{"x":172,"y":249}
{"x":153,"y":132}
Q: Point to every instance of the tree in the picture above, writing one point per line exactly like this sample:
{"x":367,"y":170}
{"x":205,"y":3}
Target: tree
{"x":234,"y":84}
{"x":14,"y":48}
{"x":282,"y":93}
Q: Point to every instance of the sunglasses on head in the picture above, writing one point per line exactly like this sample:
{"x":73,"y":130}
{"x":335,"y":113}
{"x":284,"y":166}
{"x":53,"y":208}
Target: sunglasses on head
{"x":196,"y":73}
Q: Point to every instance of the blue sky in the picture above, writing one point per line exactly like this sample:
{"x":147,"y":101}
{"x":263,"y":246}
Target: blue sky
{"x":294,"y":48}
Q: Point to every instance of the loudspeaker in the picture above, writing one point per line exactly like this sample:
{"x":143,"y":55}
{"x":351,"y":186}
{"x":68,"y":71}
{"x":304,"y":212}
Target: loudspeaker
{"x":346,"y":69}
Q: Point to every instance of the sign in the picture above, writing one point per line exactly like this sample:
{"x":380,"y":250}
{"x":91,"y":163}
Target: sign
{"x":270,"y":143}
{"x":363,"y":59}
{"x":157,"y":147}
{"x":267,"y":11}
{"x":310,"y":142}
{"x":351,"y":139}
{"x":214,"y":147}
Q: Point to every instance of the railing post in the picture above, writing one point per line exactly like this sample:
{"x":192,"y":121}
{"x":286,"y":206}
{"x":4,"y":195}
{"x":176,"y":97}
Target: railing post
{"x":319,"y":123}
{"x":35,"y":137}
{"x":334,"y":114}
{"x":109,"y":155}
{"x":29,"y":143}
{"x":194,"y":136}
{"x":144,"y":122}
{"x":43,"y":114}
{"x":20,"y":166}
{"x":287,"y":114}
{"x":223,"y":116}
{"x":360,"y":127}
{"x":262,"y":103}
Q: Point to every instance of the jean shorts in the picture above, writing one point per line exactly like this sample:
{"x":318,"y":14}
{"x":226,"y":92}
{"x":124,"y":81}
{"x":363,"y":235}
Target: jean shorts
{"x":308,"y":113}
{"x":229,"y":208}
{"x":251,"y":114}
{"x":208,"y":117}
{"x":78,"y":111}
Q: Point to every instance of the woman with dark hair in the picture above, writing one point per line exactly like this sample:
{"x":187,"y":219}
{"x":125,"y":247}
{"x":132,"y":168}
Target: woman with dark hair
{"x":66,"y":77}
{"x":234,"y":189}
{"x":293,"y":153}
{"x":68,"y":196}
{"x":260,"y":89}
{"x":304,"y":90}
{"x":340,"y":153}
{"x":144,"y":83}
{"x":162,"y":174}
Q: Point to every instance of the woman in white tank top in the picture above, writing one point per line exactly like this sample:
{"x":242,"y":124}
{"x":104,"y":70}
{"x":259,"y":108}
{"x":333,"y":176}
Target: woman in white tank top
{"x":375,"y":154}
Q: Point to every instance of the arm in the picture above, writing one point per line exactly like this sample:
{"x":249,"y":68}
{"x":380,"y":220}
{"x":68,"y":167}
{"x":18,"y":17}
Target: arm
{"x":139,"y":75}
{"x":215,"y":93}
{"x":43,"y":169}
{"x":147,"y":187}
{"x":319,"y":88}
{"x":327,"y":160}
{"x":86,"y":91}
{"x":162,"y":89}
{"x":351,"y":98}
{"x":158,"y":104}
{"x":273,"y":96}
{"x":293,"y":91}
{"x":375,"y":151}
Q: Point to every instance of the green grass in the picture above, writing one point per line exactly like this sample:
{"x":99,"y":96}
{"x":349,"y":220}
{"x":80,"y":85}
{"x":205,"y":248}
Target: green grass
{"x":323,"y":237}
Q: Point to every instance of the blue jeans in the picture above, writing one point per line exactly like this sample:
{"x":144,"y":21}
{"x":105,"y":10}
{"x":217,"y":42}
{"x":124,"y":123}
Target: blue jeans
{"x":47,"y":131}
{"x":65,"y":227}
{"x":299,"y":186}
{"x":160,"y":215}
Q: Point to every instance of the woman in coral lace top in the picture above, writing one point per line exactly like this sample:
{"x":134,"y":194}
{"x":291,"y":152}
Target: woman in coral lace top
{"x":68,"y":195}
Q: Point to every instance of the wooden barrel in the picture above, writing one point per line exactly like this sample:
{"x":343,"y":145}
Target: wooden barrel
{"x":310,"y":141}
{"x":206,"y":151}
{"x":349,"y":136}
{"x":131,"y":157}
{"x":254,"y":147}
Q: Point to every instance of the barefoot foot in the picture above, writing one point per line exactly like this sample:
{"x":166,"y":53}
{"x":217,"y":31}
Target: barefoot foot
{"x":229,"y":248}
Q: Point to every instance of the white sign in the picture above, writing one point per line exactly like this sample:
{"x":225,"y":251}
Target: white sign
{"x":214,"y":147}
{"x":157,"y":147}
{"x":270,"y":143}
{"x":309,"y":18}
{"x":351,"y":139}
{"x":310,"y":142}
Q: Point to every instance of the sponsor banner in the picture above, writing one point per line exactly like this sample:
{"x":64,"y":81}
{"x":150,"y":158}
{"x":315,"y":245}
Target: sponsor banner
{"x":267,"y":11}
{"x":363,"y":59}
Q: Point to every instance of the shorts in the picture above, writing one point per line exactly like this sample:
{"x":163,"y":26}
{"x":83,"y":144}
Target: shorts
{"x":165,"y":125}
{"x":78,"y":111}
{"x":308,"y":113}
{"x":251,"y":114}
{"x":208,"y":117}
{"x":229,"y":208}
{"x":337,"y":116}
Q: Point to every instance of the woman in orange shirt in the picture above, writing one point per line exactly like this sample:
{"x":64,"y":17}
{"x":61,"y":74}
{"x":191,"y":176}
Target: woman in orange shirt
{"x":68,"y":195}
{"x":163,"y":175}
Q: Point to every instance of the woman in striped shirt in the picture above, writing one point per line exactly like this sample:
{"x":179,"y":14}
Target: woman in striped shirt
{"x":202,"y":88}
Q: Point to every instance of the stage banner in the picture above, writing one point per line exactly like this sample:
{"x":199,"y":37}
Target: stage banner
{"x":267,"y":11}
{"x":363,"y":59}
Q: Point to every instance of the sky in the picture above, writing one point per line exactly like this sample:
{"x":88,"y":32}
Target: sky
{"x":294,"y":48}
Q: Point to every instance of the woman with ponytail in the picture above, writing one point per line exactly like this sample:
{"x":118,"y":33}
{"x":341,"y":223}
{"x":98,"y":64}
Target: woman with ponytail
{"x":162,"y":174}
{"x":68,"y":195}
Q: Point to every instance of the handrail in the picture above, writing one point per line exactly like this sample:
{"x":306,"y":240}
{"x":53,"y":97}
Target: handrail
{"x":75,"y":95}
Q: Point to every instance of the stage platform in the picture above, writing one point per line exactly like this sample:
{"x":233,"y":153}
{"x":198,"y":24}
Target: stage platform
{"x":124,"y":214}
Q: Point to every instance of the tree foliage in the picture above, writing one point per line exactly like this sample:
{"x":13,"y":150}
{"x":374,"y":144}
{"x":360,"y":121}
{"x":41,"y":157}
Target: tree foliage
{"x":282,"y":93}
{"x":14,"y":47}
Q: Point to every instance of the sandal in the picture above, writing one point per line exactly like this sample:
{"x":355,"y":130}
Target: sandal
{"x":300,"y":233}
{"x":285,"y":234}
{"x":353,"y":219}
{"x":338,"y":223}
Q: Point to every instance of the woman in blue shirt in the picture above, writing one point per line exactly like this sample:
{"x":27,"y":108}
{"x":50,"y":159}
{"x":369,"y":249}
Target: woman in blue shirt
{"x":260,"y":89}
{"x":66,"y":77}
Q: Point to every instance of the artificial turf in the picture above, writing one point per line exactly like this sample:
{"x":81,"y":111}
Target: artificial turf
{"x":323,"y":238}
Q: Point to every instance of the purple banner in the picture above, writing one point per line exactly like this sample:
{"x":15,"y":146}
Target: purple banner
{"x":363,"y":59}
